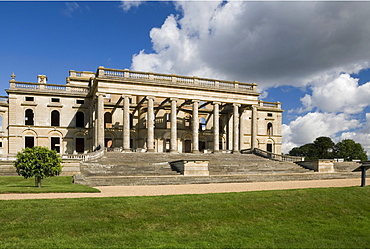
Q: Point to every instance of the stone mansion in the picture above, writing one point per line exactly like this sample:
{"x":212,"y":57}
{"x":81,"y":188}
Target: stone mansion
{"x":123,"y":110}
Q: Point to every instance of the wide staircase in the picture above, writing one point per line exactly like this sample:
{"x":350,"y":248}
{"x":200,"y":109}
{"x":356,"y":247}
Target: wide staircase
{"x":115,"y":168}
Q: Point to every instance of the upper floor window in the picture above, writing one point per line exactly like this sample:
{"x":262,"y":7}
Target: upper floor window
{"x":80,"y":119}
{"x":55,"y":100}
{"x":80,"y":101}
{"x":269,"y":129}
{"x":55,"y":118}
{"x":28,"y":117}
{"x":269,"y":114}
{"x":30,"y":98}
{"x":1,"y":123}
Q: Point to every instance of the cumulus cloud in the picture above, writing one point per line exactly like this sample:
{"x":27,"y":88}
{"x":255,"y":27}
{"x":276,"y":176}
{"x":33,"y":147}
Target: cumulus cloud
{"x":305,"y":129}
{"x":343,"y":94}
{"x":270,"y":43}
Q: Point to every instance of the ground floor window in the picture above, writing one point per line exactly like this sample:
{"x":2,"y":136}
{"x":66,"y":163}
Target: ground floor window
{"x":187,"y":146}
{"x":80,"y":145}
{"x":55,"y":144}
{"x":29,"y":142}
{"x":269,"y":147}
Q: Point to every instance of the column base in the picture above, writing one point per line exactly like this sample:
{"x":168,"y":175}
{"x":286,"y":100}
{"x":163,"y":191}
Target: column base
{"x":126,"y":150}
{"x":216,"y":151}
{"x":174,"y":151}
{"x":195,"y":152}
{"x":150,"y":150}
{"x":236,"y":152}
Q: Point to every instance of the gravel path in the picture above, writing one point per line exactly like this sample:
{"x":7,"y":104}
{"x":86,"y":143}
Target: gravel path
{"x":114,"y":191}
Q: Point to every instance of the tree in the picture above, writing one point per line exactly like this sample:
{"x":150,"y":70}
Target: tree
{"x":308,"y":151}
{"x":324,"y":147}
{"x":38,"y":162}
{"x":350,"y":150}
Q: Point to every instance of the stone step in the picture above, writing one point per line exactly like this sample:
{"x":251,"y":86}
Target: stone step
{"x":180,"y":179}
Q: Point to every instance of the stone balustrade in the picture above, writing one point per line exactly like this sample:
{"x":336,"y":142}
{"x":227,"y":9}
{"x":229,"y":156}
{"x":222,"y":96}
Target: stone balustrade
{"x":47,"y":87}
{"x":175,"y":79}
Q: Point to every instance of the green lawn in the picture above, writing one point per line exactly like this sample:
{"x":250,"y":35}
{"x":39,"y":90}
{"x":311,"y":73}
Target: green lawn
{"x":57,"y":184}
{"x":307,"y":218}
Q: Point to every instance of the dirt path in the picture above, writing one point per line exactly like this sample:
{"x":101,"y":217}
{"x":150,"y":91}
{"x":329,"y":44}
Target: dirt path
{"x":114,"y":191}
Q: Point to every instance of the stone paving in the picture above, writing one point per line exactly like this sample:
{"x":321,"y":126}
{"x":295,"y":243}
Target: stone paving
{"x":116,"y":191}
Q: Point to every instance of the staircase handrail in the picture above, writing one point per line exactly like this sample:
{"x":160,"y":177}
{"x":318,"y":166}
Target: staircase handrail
{"x":273,"y":156}
{"x":85,"y":157}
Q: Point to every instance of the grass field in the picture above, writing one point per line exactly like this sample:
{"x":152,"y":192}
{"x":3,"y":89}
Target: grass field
{"x":57,"y":184}
{"x":306,"y":218}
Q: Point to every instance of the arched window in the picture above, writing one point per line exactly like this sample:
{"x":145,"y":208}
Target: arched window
{"x":269,"y":129}
{"x":108,"y":120}
{"x":1,"y":123}
{"x":55,"y":118}
{"x":28,"y":117}
{"x":80,"y":119}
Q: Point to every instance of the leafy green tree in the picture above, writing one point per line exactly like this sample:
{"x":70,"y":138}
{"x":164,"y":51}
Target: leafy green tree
{"x":324,"y":147}
{"x":38,"y":162}
{"x":308,"y":151}
{"x":350,"y":150}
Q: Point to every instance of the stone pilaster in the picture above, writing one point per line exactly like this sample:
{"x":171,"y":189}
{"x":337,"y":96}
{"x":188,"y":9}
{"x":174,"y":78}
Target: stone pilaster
{"x":126,"y":124}
{"x":150,"y":141}
{"x":173,"y":141}
{"x":236,"y":128}
{"x":195,"y":127}
{"x":216,"y":127}
{"x":254,"y":128}
{"x":100,"y":120}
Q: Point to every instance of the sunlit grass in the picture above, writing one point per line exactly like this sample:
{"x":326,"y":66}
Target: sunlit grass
{"x":56,"y":184}
{"x":306,"y":218}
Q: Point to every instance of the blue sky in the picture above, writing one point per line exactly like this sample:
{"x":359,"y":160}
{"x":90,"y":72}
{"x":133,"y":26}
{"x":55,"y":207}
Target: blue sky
{"x":314,"y":57}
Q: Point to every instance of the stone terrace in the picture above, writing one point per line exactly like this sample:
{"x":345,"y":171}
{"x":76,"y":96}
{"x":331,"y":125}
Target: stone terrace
{"x":116,"y":168}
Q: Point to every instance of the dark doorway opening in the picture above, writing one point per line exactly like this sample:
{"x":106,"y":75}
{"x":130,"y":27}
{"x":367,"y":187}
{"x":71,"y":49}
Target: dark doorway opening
{"x":187,"y":146}
{"x":269,"y":147}
{"x":55,"y":144}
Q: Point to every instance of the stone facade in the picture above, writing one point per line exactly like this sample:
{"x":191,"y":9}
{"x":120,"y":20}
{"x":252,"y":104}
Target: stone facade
{"x":125,"y":110}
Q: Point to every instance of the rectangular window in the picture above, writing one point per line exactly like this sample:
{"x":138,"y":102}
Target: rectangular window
{"x":29,"y":142}
{"x":269,"y":114}
{"x":55,"y":100}
{"x":30,"y":99}
{"x":55,"y":144}
{"x":80,"y":101}
{"x":1,"y":144}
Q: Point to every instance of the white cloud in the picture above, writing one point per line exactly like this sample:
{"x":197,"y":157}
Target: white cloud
{"x":127,"y":5}
{"x":343,"y":94}
{"x":270,"y":43}
{"x":70,"y":8}
{"x":305,"y":129}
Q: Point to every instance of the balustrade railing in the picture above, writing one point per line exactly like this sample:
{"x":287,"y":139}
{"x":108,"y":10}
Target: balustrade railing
{"x":273,"y":156}
{"x":48,"y":87}
{"x":84,"y":157}
{"x":175,"y":79}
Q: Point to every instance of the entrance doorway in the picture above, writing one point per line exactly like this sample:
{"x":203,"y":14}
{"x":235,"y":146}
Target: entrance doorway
{"x":187,"y":146}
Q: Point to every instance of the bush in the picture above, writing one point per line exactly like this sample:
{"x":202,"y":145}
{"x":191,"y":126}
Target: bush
{"x":38,"y":162}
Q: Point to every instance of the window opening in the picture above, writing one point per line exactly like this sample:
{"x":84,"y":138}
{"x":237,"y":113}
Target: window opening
{"x":80,"y":119}
{"x":55,"y":118}
{"x":29,"y":117}
{"x":55,"y":144}
{"x":108,"y":120}
{"x":55,"y":100}
{"x":30,"y":99}
{"x":29,"y":142}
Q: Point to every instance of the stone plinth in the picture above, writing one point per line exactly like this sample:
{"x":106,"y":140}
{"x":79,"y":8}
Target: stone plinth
{"x":191,"y":167}
{"x":321,"y":165}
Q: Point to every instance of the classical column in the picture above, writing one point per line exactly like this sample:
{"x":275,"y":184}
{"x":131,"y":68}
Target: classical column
{"x":216,"y":127}
{"x":254,"y":128}
{"x":150,"y":141}
{"x":126,"y":123}
{"x":100,"y":120}
{"x":173,"y":141}
{"x":236,"y":128}
{"x":195,"y":127}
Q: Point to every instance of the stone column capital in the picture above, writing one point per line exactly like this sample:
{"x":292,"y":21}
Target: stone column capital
{"x":216,"y":103}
